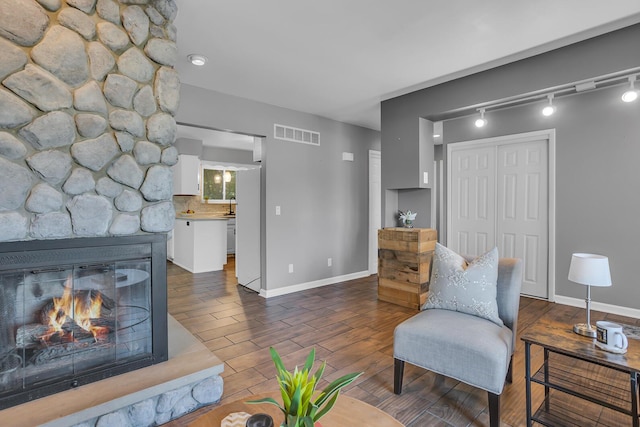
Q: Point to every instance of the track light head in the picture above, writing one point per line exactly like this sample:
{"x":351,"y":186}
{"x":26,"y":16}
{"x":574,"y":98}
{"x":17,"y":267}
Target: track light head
{"x":631,"y":94}
{"x":549,"y":109}
{"x":481,"y":121}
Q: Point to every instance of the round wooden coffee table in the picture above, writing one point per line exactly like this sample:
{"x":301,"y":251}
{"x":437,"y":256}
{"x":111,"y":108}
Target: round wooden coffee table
{"x":347,"y":412}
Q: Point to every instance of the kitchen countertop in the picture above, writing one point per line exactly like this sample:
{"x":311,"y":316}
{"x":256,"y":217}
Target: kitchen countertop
{"x":204,"y":217}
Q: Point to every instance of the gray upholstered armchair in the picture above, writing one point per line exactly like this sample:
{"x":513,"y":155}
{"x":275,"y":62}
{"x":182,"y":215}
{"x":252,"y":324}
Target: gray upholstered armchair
{"x":468,"y":348}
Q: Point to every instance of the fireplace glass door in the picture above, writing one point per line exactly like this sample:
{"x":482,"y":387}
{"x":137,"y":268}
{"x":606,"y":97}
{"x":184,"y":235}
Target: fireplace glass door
{"x":64,"y":321}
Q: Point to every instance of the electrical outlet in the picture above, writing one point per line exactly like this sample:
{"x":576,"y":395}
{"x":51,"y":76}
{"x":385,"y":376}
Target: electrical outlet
{"x":426,"y":177}
{"x":290,"y":268}
{"x":277,"y":210}
{"x":329,"y":262}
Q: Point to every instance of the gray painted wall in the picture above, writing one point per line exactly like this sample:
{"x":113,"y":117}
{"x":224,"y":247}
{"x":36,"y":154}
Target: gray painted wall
{"x":197,"y":148}
{"x":323,"y":199}
{"x":227,"y":155}
{"x":597,"y":202}
{"x":189,"y":146}
{"x":416,"y":200}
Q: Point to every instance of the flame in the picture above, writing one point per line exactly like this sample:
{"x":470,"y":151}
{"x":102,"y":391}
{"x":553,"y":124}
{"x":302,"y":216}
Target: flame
{"x":79,"y":309}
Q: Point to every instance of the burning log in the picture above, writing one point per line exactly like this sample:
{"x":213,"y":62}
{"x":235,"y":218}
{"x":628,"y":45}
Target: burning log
{"x":35,"y":335}
{"x":83,"y":301}
{"x":63,"y":351}
{"x":81,"y":316}
{"x":30,"y":336}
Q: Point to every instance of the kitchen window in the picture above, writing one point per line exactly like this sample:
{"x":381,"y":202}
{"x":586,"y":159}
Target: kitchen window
{"x":218,"y":183}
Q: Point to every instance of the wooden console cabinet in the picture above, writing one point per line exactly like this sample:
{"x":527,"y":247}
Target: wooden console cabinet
{"x":404,"y":264}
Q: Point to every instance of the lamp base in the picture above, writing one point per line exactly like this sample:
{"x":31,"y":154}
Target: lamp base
{"x":584,"y":329}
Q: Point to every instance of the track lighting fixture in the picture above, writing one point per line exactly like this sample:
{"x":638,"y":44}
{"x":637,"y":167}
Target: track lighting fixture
{"x":631,"y":94}
{"x":198,"y":60}
{"x":481,"y":121}
{"x":549,"y":109}
{"x":613,"y":79}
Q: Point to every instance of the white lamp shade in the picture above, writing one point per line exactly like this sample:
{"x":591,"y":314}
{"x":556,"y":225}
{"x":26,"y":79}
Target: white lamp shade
{"x":590,"y":269}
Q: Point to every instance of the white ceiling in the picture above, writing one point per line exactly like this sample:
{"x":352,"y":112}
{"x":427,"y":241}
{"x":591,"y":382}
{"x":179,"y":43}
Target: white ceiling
{"x":340,"y":58}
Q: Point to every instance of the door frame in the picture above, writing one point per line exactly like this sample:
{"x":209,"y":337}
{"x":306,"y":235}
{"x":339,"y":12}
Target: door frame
{"x":374,"y":205}
{"x":550,"y":136}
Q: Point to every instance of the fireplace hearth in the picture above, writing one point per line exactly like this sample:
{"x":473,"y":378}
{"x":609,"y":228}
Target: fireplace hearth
{"x":75,"y":311}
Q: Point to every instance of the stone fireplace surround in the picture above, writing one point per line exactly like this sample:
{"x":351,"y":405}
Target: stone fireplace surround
{"x":88,"y":97}
{"x":87,"y":126}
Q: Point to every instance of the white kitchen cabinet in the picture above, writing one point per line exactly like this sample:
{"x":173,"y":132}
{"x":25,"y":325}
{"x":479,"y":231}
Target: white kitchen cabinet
{"x":186,"y":175}
{"x":200,"y":245}
{"x":231,"y":236}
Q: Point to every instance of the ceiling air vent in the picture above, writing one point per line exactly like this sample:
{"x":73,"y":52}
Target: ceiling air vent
{"x":287,"y":133}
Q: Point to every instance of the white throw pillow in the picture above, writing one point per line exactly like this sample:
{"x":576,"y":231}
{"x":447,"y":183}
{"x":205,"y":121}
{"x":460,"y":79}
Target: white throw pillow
{"x":465,"y":287}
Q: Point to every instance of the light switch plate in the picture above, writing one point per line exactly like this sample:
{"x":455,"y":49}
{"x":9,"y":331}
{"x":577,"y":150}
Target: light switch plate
{"x":426,"y":177}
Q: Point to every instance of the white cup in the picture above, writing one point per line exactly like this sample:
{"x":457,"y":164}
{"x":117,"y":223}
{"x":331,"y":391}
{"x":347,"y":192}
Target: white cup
{"x":610,"y":336}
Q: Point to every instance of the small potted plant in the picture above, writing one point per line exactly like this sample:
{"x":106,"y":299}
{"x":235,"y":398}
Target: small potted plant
{"x":302,"y":407}
{"x":407,"y":218}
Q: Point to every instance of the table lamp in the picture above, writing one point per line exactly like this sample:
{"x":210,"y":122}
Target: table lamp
{"x":590,"y":270}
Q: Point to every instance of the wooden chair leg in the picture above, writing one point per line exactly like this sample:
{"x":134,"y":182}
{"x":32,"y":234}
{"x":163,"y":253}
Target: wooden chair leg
{"x":398,"y":372}
{"x":494,"y":410}
{"x":510,"y":371}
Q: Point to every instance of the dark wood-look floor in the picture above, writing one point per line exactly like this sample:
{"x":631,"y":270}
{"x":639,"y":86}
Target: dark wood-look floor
{"x":352,"y":331}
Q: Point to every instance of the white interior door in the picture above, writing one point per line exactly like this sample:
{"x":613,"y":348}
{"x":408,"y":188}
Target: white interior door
{"x":473,"y":201}
{"x":499,"y":196}
{"x":248,"y":228}
{"x":522,"y":220}
{"x":375,"y":207}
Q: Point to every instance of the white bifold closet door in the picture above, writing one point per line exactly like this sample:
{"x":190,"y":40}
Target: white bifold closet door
{"x":499,"y":197}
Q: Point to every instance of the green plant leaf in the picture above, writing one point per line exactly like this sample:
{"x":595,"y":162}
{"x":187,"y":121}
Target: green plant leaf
{"x":270,"y":401}
{"x":307,"y":422}
{"x":265,"y":400}
{"x":320,"y":371}
{"x":335,"y":386}
{"x":277,"y":360}
{"x":286,"y":400}
{"x":310,"y":359}
{"x":327,"y":407}
{"x":313,"y":409}
{"x":341,"y":382}
{"x":295,"y":402}
{"x":292,"y":420}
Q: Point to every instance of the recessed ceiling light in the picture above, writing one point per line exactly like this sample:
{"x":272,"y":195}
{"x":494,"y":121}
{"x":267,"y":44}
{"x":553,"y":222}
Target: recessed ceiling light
{"x":198,"y":60}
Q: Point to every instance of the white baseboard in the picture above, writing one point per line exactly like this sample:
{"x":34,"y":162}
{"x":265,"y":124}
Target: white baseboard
{"x":268,"y":293}
{"x":598,"y":306}
{"x":191,"y":270}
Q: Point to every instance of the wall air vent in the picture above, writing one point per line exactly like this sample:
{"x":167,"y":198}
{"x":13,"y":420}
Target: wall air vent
{"x":288,"y":133}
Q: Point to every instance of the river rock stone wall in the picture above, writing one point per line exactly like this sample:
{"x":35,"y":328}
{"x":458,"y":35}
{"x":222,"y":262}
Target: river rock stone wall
{"x":161,"y":409}
{"x":87,"y":105}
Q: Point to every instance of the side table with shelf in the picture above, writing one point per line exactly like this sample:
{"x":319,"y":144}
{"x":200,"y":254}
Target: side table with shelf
{"x":574,"y":370}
